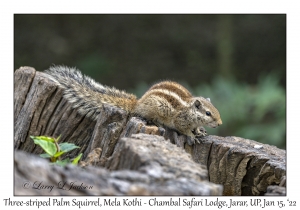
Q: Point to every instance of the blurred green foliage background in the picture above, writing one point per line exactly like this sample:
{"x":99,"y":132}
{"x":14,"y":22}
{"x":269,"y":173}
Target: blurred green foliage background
{"x":239,"y":61}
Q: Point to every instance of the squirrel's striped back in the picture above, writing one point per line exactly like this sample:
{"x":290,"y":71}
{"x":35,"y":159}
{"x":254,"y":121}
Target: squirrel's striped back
{"x":174,"y":94}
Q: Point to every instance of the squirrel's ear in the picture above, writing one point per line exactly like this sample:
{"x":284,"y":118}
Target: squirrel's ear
{"x":197,"y":104}
{"x":208,"y":99}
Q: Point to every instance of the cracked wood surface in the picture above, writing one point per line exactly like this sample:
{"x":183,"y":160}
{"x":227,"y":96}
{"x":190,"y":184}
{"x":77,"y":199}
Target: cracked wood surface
{"x":171,"y":172}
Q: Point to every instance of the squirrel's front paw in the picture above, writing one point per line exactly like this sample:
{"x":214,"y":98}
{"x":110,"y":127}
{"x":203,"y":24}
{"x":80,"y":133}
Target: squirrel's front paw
{"x":191,"y":140}
{"x":196,"y":133}
{"x":200,"y":132}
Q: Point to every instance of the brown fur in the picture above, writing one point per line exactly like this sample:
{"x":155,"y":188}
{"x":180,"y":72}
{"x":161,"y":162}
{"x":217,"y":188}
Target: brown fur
{"x":166,"y":103}
{"x":173,"y":87}
{"x":172,"y":100}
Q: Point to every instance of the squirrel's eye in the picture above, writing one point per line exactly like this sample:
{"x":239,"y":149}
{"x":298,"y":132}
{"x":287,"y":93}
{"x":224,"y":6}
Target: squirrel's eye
{"x":208,"y":113}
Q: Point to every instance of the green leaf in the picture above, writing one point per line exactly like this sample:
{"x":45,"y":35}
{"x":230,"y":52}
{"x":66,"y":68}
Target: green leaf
{"x":45,"y":155}
{"x":62,"y":162}
{"x":57,"y":139}
{"x":44,"y":138}
{"x":66,"y":147}
{"x":48,"y":146}
{"x":75,"y":161}
{"x":59,"y":153}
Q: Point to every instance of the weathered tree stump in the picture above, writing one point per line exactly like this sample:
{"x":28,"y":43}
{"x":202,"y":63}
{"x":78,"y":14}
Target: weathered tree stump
{"x":165,"y":170}
{"x":242,"y":166}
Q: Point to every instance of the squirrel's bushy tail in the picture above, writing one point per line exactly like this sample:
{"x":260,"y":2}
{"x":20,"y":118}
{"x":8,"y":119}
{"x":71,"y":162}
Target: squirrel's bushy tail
{"x":86,"y":94}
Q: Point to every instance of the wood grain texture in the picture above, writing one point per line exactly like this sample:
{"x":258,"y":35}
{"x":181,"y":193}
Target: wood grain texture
{"x":138,"y":174}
